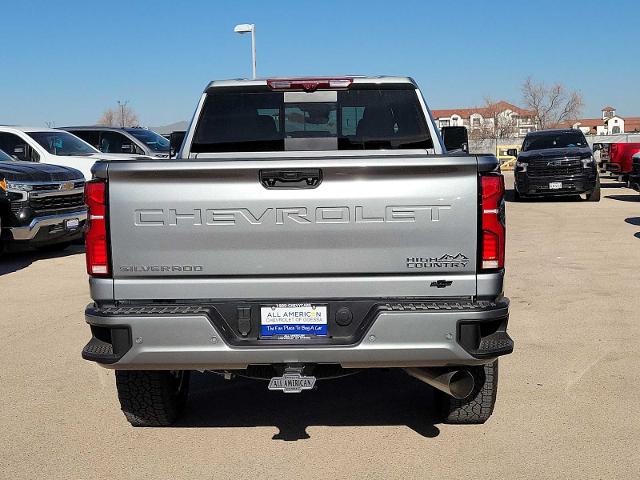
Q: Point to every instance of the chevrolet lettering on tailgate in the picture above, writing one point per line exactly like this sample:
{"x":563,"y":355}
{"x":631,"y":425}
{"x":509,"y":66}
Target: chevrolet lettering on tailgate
{"x":279,"y":216}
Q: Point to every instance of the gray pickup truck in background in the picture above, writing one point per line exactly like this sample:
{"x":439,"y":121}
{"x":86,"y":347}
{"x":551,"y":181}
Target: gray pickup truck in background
{"x":307,"y":229}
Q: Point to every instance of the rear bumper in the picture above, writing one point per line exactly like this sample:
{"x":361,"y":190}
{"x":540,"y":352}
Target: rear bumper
{"x":400,"y":335}
{"x":50,"y":228}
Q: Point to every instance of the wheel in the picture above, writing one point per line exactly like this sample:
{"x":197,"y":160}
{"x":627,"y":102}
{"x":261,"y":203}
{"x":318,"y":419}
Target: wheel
{"x":152,"y":398}
{"x":54,"y":247}
{"x":594,"y":195}
{"x":516,"y":195}
{"x":477,"y":407}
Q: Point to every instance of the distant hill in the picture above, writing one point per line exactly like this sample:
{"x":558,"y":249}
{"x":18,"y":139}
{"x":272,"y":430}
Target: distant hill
{"x":172,"y":127}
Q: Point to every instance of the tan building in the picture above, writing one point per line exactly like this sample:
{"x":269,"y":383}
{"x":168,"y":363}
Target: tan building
{"x":518,"y":120}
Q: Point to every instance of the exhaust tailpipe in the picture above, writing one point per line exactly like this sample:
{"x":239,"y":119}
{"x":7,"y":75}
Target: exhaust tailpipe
{"x":457,"y":383}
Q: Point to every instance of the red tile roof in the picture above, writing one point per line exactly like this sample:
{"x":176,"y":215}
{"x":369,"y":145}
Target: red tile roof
{"x":608,"y":109}
{"x":462,"y":112}
{"x":631,"y":124}
{"x":585,"y":122}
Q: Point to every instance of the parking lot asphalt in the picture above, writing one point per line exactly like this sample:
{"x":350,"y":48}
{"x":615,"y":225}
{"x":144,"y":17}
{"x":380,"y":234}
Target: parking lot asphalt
{"x":568,"y":402}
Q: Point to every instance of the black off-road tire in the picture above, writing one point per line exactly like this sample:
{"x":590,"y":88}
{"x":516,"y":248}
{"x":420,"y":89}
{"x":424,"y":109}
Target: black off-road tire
{"x":516,"y":195}
{"x":152,"y":398}
{"x":594,"y":195}
{"x":477,"y":407}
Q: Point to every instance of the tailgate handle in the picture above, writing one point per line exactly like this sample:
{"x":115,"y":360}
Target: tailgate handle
{"x":303,"y":178}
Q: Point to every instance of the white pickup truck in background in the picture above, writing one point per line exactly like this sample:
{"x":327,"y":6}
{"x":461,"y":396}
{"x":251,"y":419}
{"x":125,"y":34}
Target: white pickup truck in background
{"x":52,"y":146}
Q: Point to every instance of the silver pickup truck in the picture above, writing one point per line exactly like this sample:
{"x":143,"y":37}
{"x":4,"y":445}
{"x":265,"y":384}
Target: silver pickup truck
{"x":308,"y":228}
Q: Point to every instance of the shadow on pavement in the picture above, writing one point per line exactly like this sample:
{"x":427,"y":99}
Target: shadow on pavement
{"x":371,"y":398}
{"x":612,"y":184}
{"x":509,"y":196}
{"x":636,"y":222}
{"x":624,"y":198}
{"x":14,"y":260}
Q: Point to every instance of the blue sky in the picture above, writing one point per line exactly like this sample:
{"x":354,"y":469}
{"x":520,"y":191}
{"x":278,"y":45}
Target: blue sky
{"x":67,"y":61}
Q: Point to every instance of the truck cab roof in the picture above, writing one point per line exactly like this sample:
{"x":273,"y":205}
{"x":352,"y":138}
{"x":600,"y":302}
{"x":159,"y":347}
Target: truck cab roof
{"x":552,"y":131}
{"x":355,"y":79}
{"x":102,"y":127}
{"x":26,"y":129}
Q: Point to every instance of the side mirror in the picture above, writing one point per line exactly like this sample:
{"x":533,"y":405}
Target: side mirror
{"x":512,"y":152}
{"x":175,"y":141}
{"x":456,"y":138}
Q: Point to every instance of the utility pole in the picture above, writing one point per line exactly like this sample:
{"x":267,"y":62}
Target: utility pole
{"x":122,"y":106}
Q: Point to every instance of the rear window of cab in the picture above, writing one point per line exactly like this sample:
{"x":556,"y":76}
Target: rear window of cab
{"x":354,"y":119}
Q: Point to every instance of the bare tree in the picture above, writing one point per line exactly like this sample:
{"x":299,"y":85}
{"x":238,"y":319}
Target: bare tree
{"x":108,"y":118}
{"x":552,"y":105}
{"x":121,"y":116}
{"x":496,"y":122}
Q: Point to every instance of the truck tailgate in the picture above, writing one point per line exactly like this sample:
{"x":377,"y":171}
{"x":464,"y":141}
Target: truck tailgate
{"x":379,"y":214}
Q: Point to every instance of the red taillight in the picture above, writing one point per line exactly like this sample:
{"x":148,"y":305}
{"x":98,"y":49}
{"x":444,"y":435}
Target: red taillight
{"x":493,"y":222}
{"x":308,"y":84}
{"x":96,"y":236}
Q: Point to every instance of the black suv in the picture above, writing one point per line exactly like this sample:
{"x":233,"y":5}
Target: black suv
{"x":41,"y":205}
{"x":556,"y":162}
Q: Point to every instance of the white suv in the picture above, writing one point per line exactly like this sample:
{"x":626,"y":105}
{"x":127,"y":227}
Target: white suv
{"x":48,"y":145}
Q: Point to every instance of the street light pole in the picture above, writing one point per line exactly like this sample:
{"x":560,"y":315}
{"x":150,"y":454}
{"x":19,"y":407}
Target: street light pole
{"x":122,"y":105}
{"x":246,"y":28}
{"x":253,"y":50}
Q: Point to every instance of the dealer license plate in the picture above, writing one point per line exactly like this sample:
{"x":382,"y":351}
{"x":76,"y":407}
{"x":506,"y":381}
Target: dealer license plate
{"x":555,"y":185}
{"x":288,"y":320}
{"x":72,"y":224}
